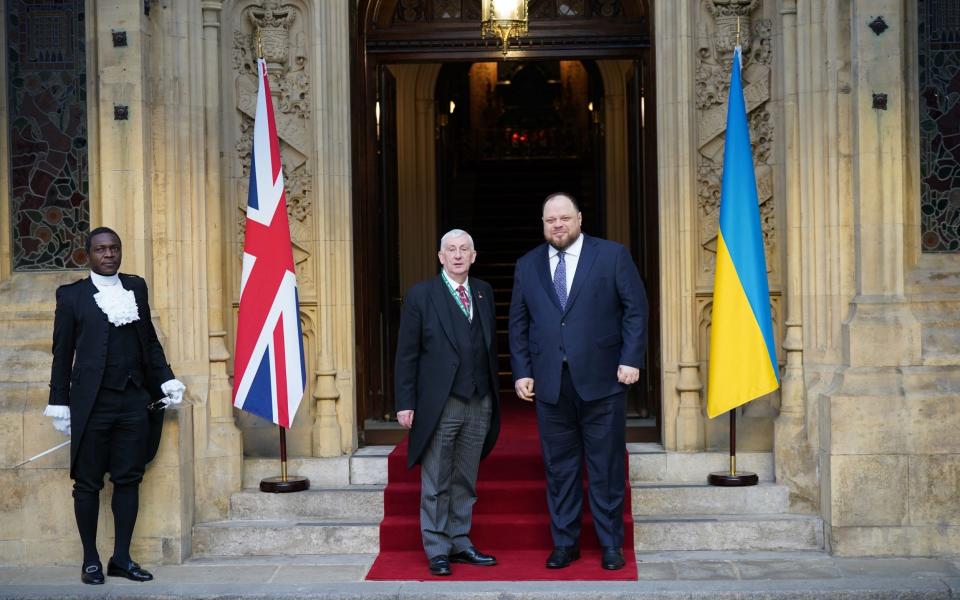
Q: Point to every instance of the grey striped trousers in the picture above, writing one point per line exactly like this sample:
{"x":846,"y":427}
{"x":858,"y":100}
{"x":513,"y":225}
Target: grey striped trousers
{"x":448,"y":475}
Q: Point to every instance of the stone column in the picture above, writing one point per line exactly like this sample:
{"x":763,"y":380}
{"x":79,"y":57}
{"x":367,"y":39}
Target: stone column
{"x":335,"y":427}
{"x":677,"y":179}
{"x":881,"y":330}
{"x":792,"y":451}
{"x":122,"y":200}
{"x":416,"y":175}
{"x":219,"y":447}
{"x":6,"y":242}
{"x":615,"y":144}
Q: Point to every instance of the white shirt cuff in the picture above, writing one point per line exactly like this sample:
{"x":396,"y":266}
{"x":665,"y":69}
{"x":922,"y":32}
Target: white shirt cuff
{"x":57,"y":411}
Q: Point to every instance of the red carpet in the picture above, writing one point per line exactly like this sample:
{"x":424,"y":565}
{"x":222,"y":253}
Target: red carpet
{"x":510,"y":518}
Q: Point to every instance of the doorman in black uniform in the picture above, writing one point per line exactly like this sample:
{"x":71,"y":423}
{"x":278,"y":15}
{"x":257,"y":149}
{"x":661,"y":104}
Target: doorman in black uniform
{"x":109,"y":384}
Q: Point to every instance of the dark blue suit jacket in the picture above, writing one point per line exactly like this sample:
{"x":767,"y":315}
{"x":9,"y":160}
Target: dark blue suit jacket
{"x":603,"y":325}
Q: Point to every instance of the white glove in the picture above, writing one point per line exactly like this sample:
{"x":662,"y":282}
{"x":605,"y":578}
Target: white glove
{"x":61,"y":417}
{"x":173,"y":389}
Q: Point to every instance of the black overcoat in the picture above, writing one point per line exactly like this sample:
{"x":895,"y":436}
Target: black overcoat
{"x":80,"y":331}
{"x":427,"y":358}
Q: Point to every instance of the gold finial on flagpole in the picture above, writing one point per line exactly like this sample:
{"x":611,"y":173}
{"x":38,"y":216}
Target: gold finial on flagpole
{"x":259,"y":39}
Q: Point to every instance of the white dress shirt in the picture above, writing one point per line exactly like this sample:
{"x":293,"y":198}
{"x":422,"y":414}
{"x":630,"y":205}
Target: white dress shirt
{"x":571,"y":256}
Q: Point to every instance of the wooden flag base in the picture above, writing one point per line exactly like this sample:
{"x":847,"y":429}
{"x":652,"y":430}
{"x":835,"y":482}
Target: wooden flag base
{"x":284,"y":483}
{"x":733,"y":478}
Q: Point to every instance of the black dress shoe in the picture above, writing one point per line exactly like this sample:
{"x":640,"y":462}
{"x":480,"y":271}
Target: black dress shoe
{"x":440,"y":565}
{"x":92,"y":574}
{"x":472,"y":556}
{"x":612,"y":558}
{"x":562,"y":556}
{"x":131,"y":571}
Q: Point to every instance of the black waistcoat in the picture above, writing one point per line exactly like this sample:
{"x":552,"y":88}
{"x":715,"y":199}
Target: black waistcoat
{"x":473,"y":373}
{"x":124,"y":358}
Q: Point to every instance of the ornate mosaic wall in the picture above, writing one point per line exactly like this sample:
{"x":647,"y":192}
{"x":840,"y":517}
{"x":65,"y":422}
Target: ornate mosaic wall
{"x":939,"y":53}
{"x":49,"y":176}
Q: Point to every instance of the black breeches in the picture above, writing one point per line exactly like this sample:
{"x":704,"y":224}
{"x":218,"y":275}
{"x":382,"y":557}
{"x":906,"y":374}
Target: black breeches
{"x":115,"y":441}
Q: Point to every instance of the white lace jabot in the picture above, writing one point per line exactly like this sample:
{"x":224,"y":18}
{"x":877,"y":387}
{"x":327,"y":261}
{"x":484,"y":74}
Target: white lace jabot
{"x":117,"y":303}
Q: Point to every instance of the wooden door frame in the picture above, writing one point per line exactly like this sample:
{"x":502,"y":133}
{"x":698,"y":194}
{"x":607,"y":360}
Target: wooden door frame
{"x":375,"y":42}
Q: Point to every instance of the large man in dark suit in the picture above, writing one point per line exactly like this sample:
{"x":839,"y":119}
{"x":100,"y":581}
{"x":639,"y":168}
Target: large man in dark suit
{"x":446,"y":393}
{"x":108,"y":367}
{"x":578,"y":328}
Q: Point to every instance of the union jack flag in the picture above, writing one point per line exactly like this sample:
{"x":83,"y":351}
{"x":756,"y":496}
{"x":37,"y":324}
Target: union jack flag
{"x":269,"y":376}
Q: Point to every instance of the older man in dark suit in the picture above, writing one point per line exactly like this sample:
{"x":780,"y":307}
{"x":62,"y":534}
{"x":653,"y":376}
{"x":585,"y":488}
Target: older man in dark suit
{"x":446,"y":392}
{"x":109,"y":383}
{"x":578,"y":330}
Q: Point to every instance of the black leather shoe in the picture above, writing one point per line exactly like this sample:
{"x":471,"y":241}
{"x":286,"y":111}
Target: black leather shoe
{"x":612,"y":558}
{"x":440,"y":565}
{"x":472,"y":556}
{"x":562,"y":556}
{"x":131,"y":571}
{"x":92,"y":574}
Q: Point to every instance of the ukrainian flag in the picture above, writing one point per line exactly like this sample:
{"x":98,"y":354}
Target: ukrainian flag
{"x":743,"y":361}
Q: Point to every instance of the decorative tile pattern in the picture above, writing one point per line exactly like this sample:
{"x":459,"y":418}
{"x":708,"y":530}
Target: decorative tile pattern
{"x":939,"y":54}
{"x":49,"y":172}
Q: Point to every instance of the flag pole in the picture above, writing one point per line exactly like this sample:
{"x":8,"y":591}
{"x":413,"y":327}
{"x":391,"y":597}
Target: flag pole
{"x":732,"y":477}
{"x":284,"y":483}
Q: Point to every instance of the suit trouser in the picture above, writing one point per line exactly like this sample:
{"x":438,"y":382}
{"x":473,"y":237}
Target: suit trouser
{"x":448,"y":475}
{"x":570,"y":431}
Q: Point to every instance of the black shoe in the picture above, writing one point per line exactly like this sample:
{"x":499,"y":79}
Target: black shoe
{"x":472,"y":556}
{"x":612,"y":558}
{"x":440,"y":565}
{"x":562,"y":556}
{"x":131,"y":571}
{"x":92,"y":574}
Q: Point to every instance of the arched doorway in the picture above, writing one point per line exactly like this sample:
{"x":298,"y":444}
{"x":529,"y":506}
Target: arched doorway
{"x":411,"y":59}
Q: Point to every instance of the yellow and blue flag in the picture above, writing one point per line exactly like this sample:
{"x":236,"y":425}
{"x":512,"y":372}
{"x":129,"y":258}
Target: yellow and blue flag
{"x":743,"y":360}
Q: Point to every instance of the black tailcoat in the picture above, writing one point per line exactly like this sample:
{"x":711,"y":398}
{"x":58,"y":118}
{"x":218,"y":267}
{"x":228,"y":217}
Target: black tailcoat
{"x":427,"y":358}
{"x":80,"y":331}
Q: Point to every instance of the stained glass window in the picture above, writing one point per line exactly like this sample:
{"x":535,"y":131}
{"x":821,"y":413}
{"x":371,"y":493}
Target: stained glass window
{"x":47,"y":100}
{"x":939,"y":62}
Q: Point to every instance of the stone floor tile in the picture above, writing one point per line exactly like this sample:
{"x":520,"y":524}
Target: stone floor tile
{"x":783,"y":569}
{"x":698,"y":570}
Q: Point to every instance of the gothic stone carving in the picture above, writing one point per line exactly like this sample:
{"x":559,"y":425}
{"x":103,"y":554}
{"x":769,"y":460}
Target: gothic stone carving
{"x":714,"y":55}
{"x":283,"y":38}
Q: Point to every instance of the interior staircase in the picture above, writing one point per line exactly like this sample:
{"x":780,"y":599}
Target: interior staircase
{"x":499,"y":204}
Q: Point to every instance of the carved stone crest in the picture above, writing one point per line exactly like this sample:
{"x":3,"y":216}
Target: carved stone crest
{"x":714,"y":56}
{"x":282,"y":38}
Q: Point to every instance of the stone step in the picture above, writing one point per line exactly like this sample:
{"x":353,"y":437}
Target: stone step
{"x":649,"y":463}
{"x":366,"y":466}
{"x":285,"y":537}
{"x":659,"y":499}
{"x":320,"y":471}
{"x":746,"y":533}
{"x":362,"y":503}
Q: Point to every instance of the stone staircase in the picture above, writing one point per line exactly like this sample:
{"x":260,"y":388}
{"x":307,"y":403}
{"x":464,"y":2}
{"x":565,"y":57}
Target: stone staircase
{"x":674,"y":509}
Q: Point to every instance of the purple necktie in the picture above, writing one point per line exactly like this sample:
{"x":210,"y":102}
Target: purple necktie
{"x":560,"y":280}
{"x":464,"y":300}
